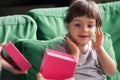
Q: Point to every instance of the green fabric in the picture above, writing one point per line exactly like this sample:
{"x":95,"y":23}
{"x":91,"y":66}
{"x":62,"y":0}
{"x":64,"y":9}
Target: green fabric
{"x":111,"y":25}
{"x":17,"y":27}
{"x":108,"y":45}
{"x":50,"y":22}
{"x":33,"y":50}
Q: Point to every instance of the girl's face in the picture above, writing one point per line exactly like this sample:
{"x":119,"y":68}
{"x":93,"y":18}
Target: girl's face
{"x":81,"y":29}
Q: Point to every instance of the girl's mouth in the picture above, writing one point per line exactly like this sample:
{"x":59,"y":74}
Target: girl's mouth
{"x":83,"y":36}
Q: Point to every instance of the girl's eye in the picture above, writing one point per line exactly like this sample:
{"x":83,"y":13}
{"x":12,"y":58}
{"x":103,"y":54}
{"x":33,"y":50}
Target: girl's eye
{"x":90,"y":26}
{"x":78,"y":25}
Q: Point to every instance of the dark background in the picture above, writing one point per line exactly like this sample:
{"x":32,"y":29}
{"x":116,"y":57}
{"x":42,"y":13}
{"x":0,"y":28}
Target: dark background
{"x":11,"y":7}
{"x":9,"y":3}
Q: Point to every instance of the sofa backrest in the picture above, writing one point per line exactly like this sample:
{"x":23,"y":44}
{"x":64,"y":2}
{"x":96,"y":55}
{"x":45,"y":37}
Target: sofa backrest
{"x":50,"y":22}
{"x":15,"y":27}
{"x":111,"y":24}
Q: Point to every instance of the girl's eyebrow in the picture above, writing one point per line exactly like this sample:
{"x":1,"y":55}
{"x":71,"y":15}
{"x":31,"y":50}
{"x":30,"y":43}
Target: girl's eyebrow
{"x":76,"y":19}
{"x":92,"y":22}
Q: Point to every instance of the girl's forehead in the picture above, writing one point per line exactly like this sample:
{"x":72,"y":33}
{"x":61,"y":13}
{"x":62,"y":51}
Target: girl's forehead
{"x":84,"y":18}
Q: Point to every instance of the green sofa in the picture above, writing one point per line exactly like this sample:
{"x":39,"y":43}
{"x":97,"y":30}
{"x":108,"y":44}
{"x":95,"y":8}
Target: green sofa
{"x":45,"y":28}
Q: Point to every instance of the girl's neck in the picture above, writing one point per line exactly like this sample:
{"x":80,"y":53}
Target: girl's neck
{"x":83,"y":48}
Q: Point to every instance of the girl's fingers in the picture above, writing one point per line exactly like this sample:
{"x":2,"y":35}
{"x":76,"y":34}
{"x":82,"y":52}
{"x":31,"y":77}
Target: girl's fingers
{"x":70,"y":79}
{"x":18,"y":72}
{"x":99,"y":34}
{"x":72,"y":47}
{"x":39,"y":76}
{"x":1,"y":46}
{"x":69,"y":42}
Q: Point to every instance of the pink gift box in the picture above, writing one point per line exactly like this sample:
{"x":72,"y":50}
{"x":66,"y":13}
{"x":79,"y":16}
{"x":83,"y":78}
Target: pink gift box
{"x":17,"y":57}
{"x":57,"y":65}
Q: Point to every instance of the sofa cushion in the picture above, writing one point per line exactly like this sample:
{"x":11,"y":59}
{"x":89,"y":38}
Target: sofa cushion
{"x":17,"y":27}
{"x":50,"y":22}
{"x":33,"y":50}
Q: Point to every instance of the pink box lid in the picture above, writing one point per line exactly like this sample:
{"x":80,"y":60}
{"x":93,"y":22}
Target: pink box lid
{"x":57,"y":65}
{"x":17,"y":56}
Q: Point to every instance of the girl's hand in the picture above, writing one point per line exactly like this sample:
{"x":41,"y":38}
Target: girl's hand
{"x":40,"y":77}
{"x":74,"y":50}
{"x":98,"y":44}
{"x":8,"y":66}
{"x":1,"y":46}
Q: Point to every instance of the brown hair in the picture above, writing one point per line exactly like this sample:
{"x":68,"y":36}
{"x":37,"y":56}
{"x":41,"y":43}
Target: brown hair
{"x":80,"y":8}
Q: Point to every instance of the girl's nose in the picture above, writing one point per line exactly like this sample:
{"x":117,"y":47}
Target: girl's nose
{"x":84,"y":29}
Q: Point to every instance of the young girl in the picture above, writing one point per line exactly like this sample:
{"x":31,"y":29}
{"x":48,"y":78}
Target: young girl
{"x":83,"y":22}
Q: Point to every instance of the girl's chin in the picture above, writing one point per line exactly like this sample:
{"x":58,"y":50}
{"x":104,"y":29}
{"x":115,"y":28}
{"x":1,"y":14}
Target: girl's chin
{"x":81,"y":43}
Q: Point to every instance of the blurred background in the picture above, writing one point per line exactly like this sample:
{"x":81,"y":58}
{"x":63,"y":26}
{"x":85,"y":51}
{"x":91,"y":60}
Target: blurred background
{"x":11,"y":7}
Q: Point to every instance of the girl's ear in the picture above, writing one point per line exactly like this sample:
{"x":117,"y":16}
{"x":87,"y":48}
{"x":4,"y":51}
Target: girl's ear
{"x":67,"y":25}
{"x":97,"y":28}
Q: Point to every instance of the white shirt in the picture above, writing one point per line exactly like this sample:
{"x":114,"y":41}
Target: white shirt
{"x":88,"y":67}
